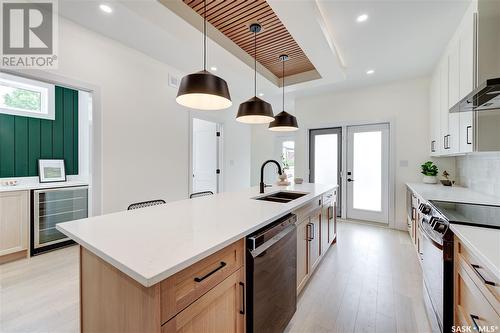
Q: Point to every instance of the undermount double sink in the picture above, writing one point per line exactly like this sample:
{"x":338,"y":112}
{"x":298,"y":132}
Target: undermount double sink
{"x":281,"y":196}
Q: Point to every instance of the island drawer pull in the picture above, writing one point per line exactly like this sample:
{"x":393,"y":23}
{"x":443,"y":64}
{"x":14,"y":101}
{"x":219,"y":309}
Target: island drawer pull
{"x":474,"y":323}
{"x":199,"y":279}
{"x":242,"y":308}
{"x":475,"y":268}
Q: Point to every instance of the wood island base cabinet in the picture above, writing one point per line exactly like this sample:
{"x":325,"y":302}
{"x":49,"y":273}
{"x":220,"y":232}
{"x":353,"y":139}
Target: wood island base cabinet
{"x":204,"y":297}
{"x":316,"y":232}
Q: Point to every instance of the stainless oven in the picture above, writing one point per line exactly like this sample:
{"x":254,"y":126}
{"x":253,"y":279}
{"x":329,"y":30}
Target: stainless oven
{"x":437,"y":268}
{"x":53,"y":206}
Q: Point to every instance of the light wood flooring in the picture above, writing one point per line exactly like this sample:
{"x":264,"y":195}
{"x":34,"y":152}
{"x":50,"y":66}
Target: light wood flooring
{"x":369,"y":282}
{"x":41,"y":294}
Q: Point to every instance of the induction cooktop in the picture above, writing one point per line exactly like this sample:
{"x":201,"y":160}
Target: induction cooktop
{"x":487,"y":216}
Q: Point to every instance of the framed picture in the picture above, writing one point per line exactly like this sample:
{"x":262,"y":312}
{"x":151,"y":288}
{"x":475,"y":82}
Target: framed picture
{"x":51,"y":171}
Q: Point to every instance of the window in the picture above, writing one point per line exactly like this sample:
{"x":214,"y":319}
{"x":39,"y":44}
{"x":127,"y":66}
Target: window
{"x":25,"y":97}
{"x":288,"y":158}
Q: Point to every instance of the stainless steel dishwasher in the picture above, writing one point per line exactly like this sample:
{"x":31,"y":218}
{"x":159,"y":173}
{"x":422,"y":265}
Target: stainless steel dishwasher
{"x":271,"y":269}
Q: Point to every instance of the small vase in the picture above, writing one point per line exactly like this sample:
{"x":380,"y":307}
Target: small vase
{"x":430,"y":179}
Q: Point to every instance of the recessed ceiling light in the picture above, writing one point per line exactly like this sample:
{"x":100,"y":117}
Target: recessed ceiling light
{"x":105,"y":8}
{"x":362,"y":18}
{"x":261,"y":94}
{"x":213,"y":68}
{"x":370,"y":72}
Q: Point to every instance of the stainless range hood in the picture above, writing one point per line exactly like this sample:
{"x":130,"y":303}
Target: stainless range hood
{"x":486,"y":95}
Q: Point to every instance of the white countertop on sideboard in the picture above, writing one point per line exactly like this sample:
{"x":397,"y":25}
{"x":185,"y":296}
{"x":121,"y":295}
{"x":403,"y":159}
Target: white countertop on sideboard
{"x":484,"y":244}
{"x":151,"y":244}
{"x":452,"y":194}
{"x":39,"y":186}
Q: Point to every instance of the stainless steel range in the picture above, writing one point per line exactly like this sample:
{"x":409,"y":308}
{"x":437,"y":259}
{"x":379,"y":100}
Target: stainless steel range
{"x":437,"y":252}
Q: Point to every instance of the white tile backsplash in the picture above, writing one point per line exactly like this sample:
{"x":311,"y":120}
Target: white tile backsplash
{"x":480,"y":172}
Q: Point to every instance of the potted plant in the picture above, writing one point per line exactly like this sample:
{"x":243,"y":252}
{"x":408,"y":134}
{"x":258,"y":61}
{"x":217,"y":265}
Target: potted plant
{"x":429,"y":170}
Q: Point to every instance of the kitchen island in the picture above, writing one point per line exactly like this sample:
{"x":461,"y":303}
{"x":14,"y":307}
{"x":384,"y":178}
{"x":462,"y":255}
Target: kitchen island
{"x":137,"y":267}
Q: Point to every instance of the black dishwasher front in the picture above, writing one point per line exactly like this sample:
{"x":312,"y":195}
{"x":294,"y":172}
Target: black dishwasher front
{"x":271,"y":268}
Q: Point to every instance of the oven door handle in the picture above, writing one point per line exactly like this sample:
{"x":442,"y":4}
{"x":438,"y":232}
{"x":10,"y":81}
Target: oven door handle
{"x":426,"y":235}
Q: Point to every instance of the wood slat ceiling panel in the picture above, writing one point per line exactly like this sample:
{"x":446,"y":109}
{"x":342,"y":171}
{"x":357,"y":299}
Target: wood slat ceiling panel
{"x":233,"y":18}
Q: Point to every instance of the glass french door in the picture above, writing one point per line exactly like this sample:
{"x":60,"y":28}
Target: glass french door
{"x":325,"y":158}
{"x":368,"y":173}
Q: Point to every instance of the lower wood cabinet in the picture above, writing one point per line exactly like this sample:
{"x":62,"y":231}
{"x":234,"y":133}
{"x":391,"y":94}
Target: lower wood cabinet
{"x":477,"y":292}
{"x":316,"y":231}
{"x":14,"y":224}
{"x":302,"y":253}
{"x":222,"y":309}
{"x":206,"y":297}
{"x":314,"y":240}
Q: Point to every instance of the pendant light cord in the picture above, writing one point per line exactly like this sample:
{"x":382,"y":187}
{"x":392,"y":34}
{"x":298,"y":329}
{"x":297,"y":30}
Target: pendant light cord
{"x":283,"y":74}
{"x":255,"y":63}
{"x":204,"y":35}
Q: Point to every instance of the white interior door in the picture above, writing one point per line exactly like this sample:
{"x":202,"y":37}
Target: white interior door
{"x":205,"y":156}
{"x":368,"y":173}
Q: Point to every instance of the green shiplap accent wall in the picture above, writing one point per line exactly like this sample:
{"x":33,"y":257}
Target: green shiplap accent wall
{"x":24,"y":140}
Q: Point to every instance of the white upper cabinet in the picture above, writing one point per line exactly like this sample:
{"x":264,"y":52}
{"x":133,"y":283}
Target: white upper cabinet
{"x":435,"y":121}
{"x":453,"y":74}
{"x":467,"y":79}
{"x":453,"y":79}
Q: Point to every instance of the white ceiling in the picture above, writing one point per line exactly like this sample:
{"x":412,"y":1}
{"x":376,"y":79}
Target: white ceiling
{"x":401,"y":39}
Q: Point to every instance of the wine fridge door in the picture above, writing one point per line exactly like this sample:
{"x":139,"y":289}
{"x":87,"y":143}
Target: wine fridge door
{"x":53,"y":206}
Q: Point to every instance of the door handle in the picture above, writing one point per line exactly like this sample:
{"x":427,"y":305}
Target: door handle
{"x":242,"y":308}
{"x":350,"y":180}
{"x":468,"y":139}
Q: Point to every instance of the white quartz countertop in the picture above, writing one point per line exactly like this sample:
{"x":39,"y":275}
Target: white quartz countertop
{"x":484,"y":244}
{"x":40,"y":186}
{"x":151,"y":244}
{"x":452,"y":193}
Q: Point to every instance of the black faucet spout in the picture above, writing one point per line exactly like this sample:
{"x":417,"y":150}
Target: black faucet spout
{"x":262,"y":185}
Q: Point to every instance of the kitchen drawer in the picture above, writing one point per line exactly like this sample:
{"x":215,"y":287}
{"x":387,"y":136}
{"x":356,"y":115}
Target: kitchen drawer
{"x":482,"y":277}
{"x":471,"y":307}
{"x":186,"y":286}
{"x":221,"y":309}
{"x":305,"y":211}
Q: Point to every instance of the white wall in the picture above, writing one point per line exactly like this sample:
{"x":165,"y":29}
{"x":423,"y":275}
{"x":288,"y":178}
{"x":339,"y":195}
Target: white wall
{"x":405,"y":104}
{"x":145,"y":133}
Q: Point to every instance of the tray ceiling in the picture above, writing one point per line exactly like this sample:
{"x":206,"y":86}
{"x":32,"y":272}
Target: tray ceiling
{"x":233,"y":19}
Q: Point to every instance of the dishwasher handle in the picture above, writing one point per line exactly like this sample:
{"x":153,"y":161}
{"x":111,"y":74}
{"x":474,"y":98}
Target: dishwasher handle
{"x":264,"y":247}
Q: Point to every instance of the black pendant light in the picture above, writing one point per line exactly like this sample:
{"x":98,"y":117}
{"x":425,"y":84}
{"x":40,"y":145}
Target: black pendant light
{"x":283,"y":121}
{"x":255,"y":110}
{"x":203,"y":90}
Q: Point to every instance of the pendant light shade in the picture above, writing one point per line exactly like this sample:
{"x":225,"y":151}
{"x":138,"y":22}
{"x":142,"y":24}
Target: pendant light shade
{"x":283,"y":121}
{"x":203,"y":90}
{"x":255,"y":110}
